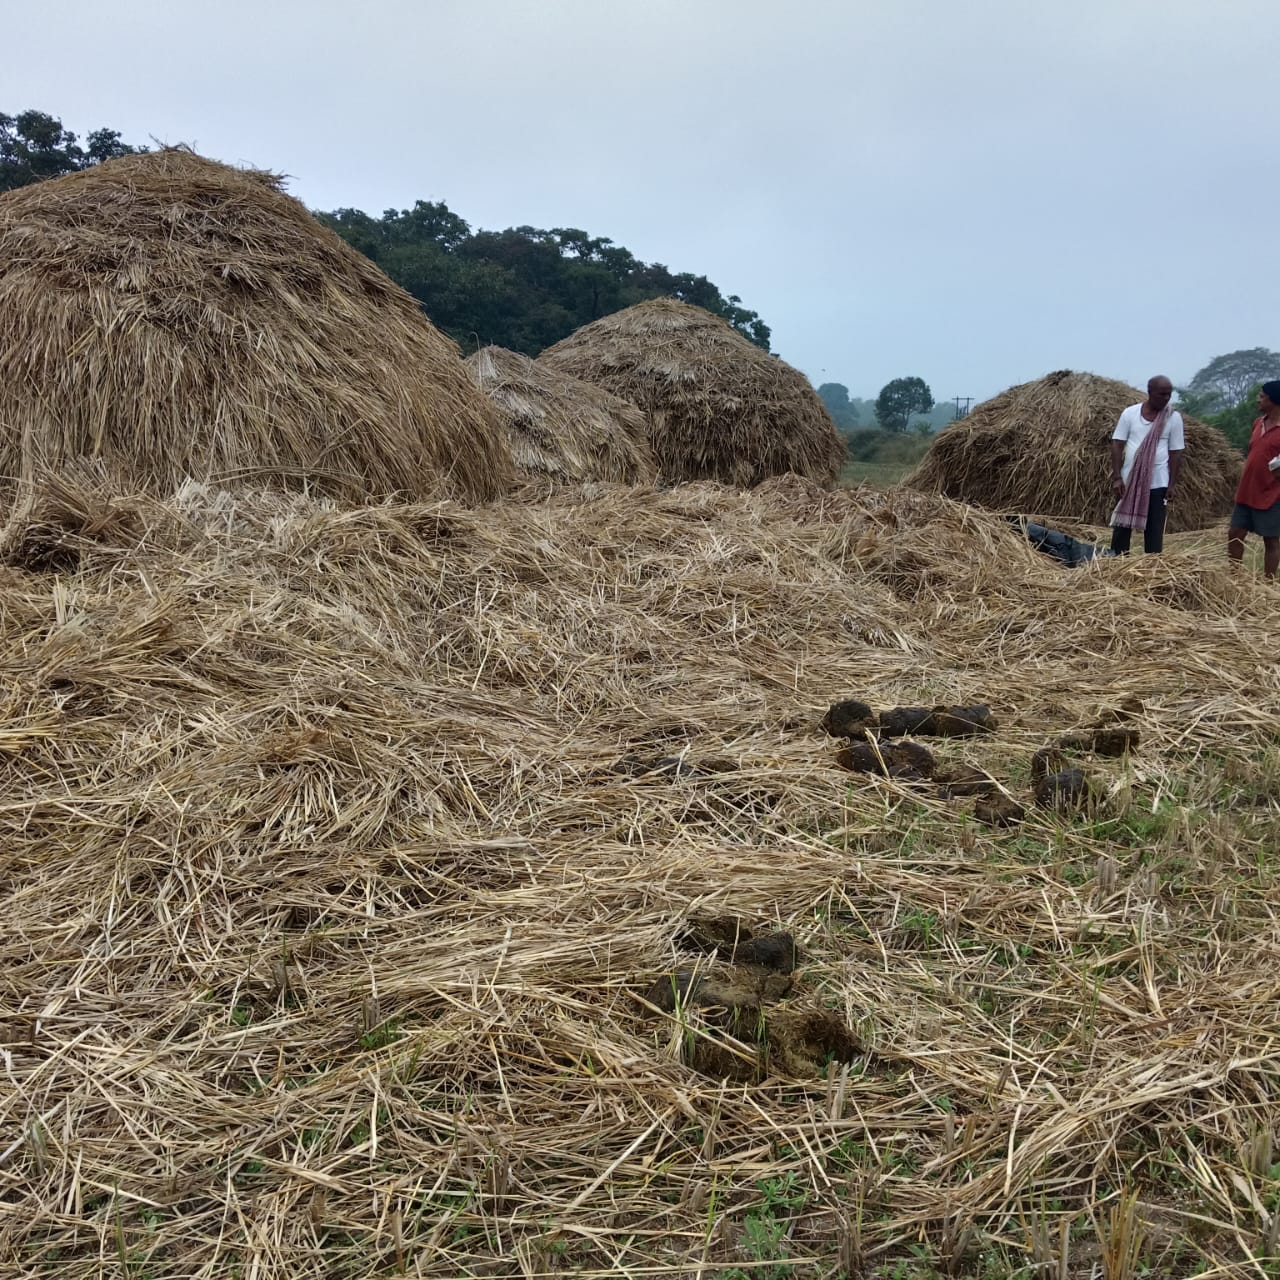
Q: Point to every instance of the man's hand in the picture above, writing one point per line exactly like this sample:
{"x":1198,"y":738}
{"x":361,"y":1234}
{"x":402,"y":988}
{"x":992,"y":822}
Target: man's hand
{"x":1168,"y":497}
{"x":1117,"y":486}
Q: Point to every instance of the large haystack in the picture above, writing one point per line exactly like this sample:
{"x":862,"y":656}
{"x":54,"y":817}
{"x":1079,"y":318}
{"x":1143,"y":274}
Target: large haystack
{"x":172,"y":317}
{"x":1041,"y":448}
{"x":719,"y":408}
{"x":562,"y":427}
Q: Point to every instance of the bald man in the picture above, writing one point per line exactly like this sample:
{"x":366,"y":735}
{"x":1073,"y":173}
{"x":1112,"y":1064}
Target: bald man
{"x":1146,"y":456}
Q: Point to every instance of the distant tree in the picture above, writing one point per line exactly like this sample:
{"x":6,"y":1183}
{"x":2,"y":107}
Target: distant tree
{"x":105,"y":144}
{"x":865,"y":409}
{"x":35,"y":146}
{"x":835,"y":395}
{"x":943,"y":414}
{"x":899,"y":400}
{"x":1197,"y":405}
{"x":1225,"y":381}
{"x":1236,"y":423}
{"x":522,"y":288}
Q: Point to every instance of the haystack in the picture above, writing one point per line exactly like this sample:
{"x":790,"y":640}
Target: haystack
{"x":1041,"y":448}
{"x":562,"y":427}
{"x":171,"y":317}
{"x":719,"y":408}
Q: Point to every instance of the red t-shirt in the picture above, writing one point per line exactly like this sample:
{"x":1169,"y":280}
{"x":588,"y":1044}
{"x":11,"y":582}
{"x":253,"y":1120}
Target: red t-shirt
{"x":1260,"y":487}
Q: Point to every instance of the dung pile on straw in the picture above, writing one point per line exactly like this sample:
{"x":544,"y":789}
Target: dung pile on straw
{"x":561,"y":427}
{"x":718,"y":407}
{"x":329,"y":907}
{"x":1041,"y":449}
{"x":174,"y":318}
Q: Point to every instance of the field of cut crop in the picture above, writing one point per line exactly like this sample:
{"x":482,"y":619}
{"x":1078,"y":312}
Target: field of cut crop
{"x":431,"y":891}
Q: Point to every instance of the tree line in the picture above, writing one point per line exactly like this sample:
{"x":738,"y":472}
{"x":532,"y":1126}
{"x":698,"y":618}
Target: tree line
{"x":523,"y":288}
{"x":904,"y":404}
{"x":1223,"y":393}
{"x":35,"y":146}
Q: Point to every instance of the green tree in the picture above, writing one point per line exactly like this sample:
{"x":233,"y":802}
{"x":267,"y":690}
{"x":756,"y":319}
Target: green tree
{"x":35,"y":146}
{"x":525,"y":287}
{"x":865,"y":409}
{"x":1236,"y":423}
{"x":106,"y":144}
{"x":901,"y":398}
{"x":1194,"y":403}
{"x":522,"y":288}
{"x":1225,"y":381}
{"x":835,"y":395}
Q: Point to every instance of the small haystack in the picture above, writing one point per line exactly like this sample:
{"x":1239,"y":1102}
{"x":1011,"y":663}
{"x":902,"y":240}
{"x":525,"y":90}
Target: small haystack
{"x":171,"y":317}
{"x":562,"y":427}
{"x":1041,"y":448}
{"x":719,"y":408}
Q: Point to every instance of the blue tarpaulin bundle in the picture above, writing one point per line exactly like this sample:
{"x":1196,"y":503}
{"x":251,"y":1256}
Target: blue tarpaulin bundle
{"x":1061,"y":546}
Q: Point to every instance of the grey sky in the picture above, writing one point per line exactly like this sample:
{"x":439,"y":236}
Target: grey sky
{"x":976,"y":193}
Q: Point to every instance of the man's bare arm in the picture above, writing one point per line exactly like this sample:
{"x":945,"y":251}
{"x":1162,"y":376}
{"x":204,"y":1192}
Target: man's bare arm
{"x":1117,"y":466}
{"x":1175,"y":465}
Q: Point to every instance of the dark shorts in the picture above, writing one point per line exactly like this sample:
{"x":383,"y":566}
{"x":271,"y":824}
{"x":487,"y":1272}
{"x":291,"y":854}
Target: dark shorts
{"x":1265,"y":522}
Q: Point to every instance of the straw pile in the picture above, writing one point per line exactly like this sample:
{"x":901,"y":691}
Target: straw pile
{"x":561,"y":427}
{"x":328,"y":908}
{"x":1041,"y":448}
{"x":718,"y":407}
{"x":174,"y":318}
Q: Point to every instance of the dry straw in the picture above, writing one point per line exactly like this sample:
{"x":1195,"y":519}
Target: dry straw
{"x":561,"y":427}
{"x":719,"y":408}
{"x":326,"y":906}
{"x":1041,"y":448}
{"x":174,"y":318}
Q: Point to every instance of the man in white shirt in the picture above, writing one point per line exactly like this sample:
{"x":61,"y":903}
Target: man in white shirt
{"x":1161,"y":463}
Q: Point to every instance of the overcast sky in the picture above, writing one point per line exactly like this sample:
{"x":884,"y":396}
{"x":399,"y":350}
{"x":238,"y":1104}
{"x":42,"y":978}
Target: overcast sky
{"x":977,"y":193}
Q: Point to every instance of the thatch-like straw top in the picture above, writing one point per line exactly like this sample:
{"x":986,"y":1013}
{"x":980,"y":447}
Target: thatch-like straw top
{"x":1041,"y":448}
{"x":562,"y":427}
{"x":718,"y":407}
{"x":173,"y":317}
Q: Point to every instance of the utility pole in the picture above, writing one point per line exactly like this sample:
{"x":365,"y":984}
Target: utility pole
{"x":962,"y":413}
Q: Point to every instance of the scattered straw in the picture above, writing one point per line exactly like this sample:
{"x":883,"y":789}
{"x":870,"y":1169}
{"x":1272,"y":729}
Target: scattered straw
{"x":326,"y":910}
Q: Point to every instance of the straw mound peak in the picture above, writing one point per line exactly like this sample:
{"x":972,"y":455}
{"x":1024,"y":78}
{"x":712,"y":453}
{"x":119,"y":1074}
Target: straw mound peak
{"x":561,"y":427}
{"x":173,"y":317}
{"x":719,"y":408}
{"x":1041,"y":447}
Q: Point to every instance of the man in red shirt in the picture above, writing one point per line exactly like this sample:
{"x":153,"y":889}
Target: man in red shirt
{"x":1257,"y":507}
